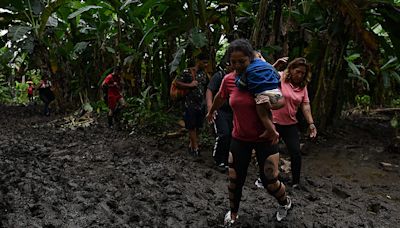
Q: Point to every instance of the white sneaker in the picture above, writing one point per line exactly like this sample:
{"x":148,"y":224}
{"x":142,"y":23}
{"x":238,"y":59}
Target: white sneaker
{"x":228,"y":221}
{"x":258,"y":183}
{"x":282,"y":210}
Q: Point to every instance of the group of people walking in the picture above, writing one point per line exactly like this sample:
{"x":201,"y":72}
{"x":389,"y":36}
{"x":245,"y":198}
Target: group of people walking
{"x":251,"y":106}
{"x":46,"y":93}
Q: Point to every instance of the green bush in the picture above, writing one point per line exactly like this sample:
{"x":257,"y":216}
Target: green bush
{"x":363,"y":101}
{"x":147,"y":110}
{"x":395,"y":103}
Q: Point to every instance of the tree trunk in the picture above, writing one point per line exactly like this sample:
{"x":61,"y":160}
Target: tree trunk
{"x":260,"y":29}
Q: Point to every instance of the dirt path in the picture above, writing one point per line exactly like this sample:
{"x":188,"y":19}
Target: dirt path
{"x":96,"y":177}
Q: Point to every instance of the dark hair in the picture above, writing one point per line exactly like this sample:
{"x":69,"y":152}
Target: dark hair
{"x":117,"y":69}
{"x":202,"y":56}
{"x":298,"y":62}
{"x":241,"y":45}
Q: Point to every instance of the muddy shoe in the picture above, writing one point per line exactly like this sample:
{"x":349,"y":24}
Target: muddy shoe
{"x":221,"y":167}
{"x":259,"y":183}
{"x":283,"y":210}
{"x":190,"y":151}
{"x":196,"y":153}
{"x":228,"y":221}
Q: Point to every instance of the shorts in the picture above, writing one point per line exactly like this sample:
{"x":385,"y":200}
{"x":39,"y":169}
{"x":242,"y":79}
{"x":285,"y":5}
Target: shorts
{"x":268,"y":96}
{"x":115,"y":101}
{"x":242,"y":150}
{"x":193,"y":118}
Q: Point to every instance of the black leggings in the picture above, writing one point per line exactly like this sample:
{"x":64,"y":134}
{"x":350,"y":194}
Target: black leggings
{"x":290,"y":136}
{"x":223,"y":127}
{"x":241,"y":156}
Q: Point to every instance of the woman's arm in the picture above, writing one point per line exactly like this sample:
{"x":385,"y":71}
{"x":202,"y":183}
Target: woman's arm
{"x":306,"y":109}
{"x":209,"y":99}
{"x":280,"y":62}
{"x":218,"y":102}
{"x":184,"y":85}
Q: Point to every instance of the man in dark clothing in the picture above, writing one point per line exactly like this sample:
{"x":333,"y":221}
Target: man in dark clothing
{"x":223,"y":119}
{"x":195,"y":79}
{"x":46,"y":94}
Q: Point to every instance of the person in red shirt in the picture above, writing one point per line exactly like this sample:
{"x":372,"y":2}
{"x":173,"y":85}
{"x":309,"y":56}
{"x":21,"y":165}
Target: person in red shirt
{"x":112,"y":87}
{"x":247,"y":129}
{"x":30,"y":91}
{"x":294,"y":82}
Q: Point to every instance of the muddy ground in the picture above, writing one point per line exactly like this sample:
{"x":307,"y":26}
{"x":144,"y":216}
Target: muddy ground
{"x":100,"y":177}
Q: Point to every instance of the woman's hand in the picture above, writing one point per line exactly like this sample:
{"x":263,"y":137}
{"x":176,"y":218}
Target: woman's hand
{"x":210,"y":117}
{"x":313,"y":130}
{"x":273,"y":136}
{"x":280,"y":62}
{"x":194,"y":84}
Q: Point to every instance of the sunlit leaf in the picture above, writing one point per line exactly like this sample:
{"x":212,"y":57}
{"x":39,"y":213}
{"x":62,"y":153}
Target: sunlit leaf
{"x":354,"y":68}
{"x":177,"y":58}
{"x":353,"y":57}
{"x":111,"y":50}
{"x":128,"y":2}
{"x":82,"y":10}
{"x":388,"y":63}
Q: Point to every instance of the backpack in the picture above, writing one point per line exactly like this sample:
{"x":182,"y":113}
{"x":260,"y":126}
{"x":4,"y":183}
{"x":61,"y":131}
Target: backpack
{"x":179,"y":93}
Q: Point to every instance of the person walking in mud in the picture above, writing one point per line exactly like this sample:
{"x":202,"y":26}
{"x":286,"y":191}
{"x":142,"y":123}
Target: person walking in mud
{"x":112,"y":88}
{"x":30,"y":89}
{"x":247,"y":128}
{"x":195,"y":79}
{"x":46,"y":94}
{"x":294,"y":82}
{"x":223,"y":121}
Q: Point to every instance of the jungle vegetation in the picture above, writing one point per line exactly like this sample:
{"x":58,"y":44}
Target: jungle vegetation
{"x":353,"y":46}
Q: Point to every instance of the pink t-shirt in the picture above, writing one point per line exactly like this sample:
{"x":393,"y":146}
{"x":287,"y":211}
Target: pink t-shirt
{"x":246,"y":124}
{"x":294,"y":96}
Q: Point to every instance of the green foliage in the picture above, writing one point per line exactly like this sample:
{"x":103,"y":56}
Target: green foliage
{"x":395,"y":121}
{"x":5,"y":92}
{"x":395,"y":103}
{"x":354,"y":70}
{"x":363,"y":101}
{"x":221,"y":51}
{"x":146,"y":110}
{"x":390,"y":72}
{"x":99,"y":106}
{"x":21,"y":95}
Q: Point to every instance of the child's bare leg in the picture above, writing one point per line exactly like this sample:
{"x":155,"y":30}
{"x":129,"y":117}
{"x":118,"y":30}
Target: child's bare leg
{"x":264,"y":113}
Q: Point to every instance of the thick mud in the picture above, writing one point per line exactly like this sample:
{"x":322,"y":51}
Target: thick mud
{"x":100,"y":177}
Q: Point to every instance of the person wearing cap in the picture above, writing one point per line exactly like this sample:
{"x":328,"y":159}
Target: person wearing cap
{"x":195,"y":79}
{"x":112,"y":87}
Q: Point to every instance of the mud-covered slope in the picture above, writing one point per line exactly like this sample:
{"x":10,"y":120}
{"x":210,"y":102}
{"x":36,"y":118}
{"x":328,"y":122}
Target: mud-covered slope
{"x":97,"y":177}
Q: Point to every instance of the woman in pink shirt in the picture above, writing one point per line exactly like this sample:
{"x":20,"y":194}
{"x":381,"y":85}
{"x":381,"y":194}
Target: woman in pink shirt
{"x":247,"y":129}
{"x":294,"y":82}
